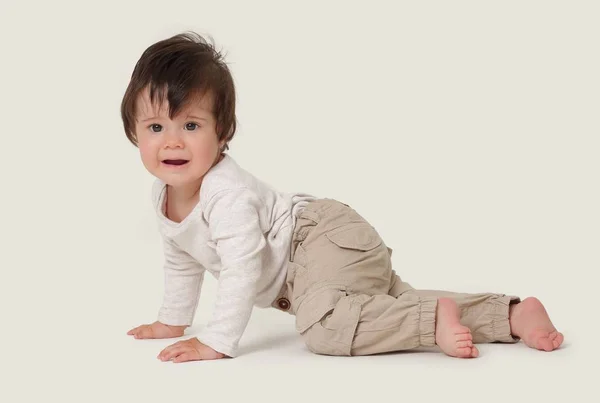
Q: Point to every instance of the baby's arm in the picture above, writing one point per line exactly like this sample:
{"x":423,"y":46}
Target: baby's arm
{"x":234,"y":221}
{"x":183,"y":281}
{"x":183,"y":278}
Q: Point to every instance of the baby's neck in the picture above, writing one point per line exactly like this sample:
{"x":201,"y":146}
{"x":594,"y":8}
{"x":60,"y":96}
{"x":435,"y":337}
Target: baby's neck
{"x":181,"y":201}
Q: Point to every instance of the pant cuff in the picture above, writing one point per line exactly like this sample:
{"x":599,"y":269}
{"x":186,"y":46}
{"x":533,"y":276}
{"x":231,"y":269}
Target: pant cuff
{"x":427,"y":321}
{"x":499,"y":330}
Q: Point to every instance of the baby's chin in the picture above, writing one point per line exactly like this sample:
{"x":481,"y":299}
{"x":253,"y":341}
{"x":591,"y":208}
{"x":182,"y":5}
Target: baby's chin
{"x":179,"y":181}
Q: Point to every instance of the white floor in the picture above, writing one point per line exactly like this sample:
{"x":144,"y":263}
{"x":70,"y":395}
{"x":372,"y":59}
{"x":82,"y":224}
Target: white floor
{"x":99,"y":363}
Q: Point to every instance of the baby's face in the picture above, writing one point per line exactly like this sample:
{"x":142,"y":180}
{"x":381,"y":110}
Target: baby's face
{"x":179,"y":151}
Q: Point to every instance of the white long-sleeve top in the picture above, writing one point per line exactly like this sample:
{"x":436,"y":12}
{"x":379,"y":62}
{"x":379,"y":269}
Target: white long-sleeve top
{"x":240,"y":232}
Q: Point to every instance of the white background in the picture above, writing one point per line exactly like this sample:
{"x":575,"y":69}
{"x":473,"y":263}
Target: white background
{"x":466,"y":132}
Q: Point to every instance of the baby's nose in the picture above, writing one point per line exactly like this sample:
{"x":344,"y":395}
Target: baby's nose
{"x":173,"y":140}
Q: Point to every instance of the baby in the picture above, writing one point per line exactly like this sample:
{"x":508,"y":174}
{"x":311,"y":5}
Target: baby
{"x":315,"y":258}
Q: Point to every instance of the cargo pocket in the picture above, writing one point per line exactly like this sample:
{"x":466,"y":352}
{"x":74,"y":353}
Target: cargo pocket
{"x":317,"y":304}
{"x":357,"y":236}
{"x":328,"y":321}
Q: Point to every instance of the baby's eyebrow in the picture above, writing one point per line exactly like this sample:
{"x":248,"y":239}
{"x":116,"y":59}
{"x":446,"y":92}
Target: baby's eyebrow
{"x":150,"y":118}
{"x":187,"y":117}
{"x":196,"y":117}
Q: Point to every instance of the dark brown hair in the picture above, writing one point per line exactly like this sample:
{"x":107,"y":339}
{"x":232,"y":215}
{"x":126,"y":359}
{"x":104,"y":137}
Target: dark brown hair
{"x":181,"y":70}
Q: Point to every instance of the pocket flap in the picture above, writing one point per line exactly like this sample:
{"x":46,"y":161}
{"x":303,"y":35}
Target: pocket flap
{"x":358,"y":236}
{"x":316,"y":305}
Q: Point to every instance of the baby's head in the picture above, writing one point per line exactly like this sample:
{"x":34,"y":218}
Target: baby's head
{"x":179,"y":107}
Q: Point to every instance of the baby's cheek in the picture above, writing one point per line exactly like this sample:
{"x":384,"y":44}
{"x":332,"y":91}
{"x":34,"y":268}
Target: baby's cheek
{"x":209,"y":150}
{"x":148,"y":155}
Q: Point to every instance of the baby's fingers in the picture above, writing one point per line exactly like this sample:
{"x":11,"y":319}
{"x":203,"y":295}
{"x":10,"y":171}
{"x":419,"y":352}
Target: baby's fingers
{"x":142,"y":332}
{"x":135,"y":330}
{"x":190,"y":355}
{"x":145,"y":333}
{"x":181,"y":353}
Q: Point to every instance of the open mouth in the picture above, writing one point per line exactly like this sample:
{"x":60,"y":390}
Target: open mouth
{"x":175,"y":162}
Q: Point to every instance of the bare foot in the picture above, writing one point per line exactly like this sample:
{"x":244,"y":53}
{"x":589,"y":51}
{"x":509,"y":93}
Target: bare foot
{"x":530,"y":322}
{"x":453,"y":338}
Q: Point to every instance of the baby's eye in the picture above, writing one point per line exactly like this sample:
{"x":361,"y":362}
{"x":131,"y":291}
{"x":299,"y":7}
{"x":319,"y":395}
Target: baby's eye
{"x":191,"y":126}
{"x":156,"y":128}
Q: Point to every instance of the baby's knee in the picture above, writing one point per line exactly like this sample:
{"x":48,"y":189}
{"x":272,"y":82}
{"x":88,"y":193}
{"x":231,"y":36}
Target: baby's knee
{"x":327,"y":321}
{"x":325,"y":341}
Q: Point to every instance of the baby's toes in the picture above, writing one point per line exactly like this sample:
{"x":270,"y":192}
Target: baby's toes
{"x":465,"y":343}
{"x":544,"y":343}
{"x":464,"y":352}
{"x":464,"y":336}
{"x":557,"y":339}
{"x":474,"y":352}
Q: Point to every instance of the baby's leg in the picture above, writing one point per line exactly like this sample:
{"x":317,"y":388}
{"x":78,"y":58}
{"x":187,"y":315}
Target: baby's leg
{"x":486,"y":314}
{"x":501,"y":318}
{"x":360,"y":324}
{"x":340,"y":283}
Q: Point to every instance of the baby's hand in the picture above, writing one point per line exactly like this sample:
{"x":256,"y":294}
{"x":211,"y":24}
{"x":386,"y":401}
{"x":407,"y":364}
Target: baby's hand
{"x":156,"y":330}
{"x":189,"y":350}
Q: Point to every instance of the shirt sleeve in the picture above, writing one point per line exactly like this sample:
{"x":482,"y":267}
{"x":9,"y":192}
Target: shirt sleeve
{"x":183,"y":278}
{"x":234,"y":221}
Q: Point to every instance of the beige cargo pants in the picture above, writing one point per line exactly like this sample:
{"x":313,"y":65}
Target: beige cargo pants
{"x":347,"y":299}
